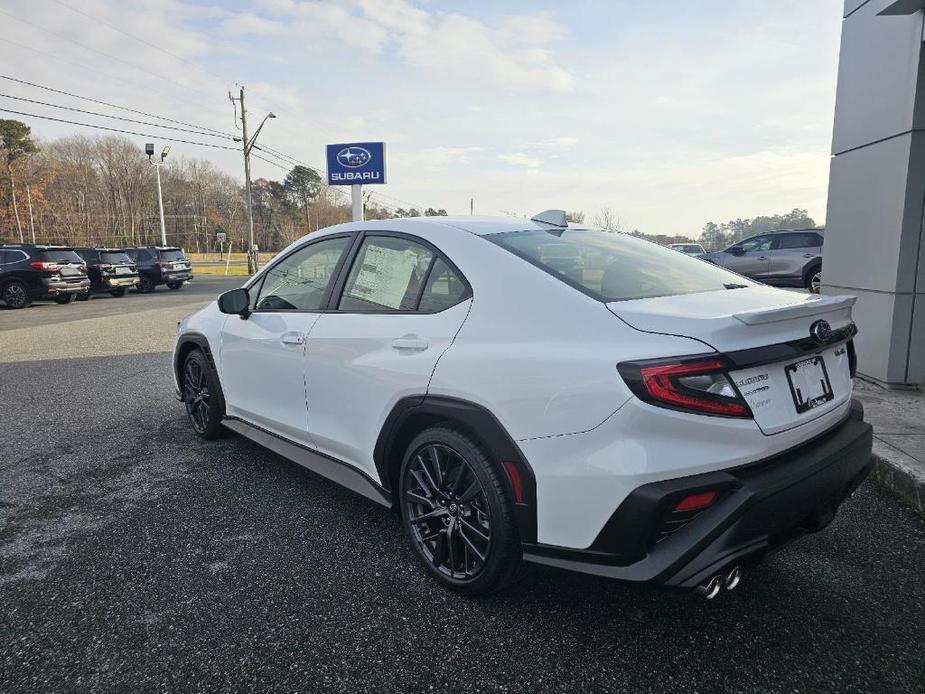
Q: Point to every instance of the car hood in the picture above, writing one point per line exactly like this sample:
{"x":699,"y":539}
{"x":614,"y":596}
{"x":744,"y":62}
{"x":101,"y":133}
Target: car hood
{"x":734,"y":319}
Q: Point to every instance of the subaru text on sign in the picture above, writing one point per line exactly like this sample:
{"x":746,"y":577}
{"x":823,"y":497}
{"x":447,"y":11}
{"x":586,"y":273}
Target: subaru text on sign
{"x":359,"y":162}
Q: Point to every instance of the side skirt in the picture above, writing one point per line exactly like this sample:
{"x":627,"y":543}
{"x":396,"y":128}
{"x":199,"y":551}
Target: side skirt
{"x":335,"y":470}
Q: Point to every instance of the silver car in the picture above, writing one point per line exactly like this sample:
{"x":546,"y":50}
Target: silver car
{"x":786,"y":258}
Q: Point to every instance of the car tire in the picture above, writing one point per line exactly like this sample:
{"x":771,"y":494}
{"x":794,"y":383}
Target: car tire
{"x":813,"y":279}
{"x":118,"y":291}
{"x":15,"y":294}
{"x":447,"y":517}
{"x":202,"y":396}
{"x":64,"y":298}
{"x":145,"y":284}
{"x":83,"y":296}
{"x":174,"y":285}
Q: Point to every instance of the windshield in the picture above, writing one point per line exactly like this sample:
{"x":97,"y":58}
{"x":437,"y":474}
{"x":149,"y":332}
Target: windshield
{"x":617,"y":267}
{"x":62,"y":256}
{"x":114,"y":258}
{"x":172,"y":255}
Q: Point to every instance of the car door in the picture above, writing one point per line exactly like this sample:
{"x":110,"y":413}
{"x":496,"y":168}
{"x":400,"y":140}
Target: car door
{"x":399,"y":308}
{"x":792,"y":252}
{"x":263,"y":356}
{"x":752,"y":257}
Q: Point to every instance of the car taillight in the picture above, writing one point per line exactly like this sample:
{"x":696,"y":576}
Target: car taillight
{"x":44,"y":266}
{"x":102,"y":266}
{"x":690,"y":384}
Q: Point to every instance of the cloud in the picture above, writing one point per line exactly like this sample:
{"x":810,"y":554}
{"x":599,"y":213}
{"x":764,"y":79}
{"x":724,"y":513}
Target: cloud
{"x":521,"y":159}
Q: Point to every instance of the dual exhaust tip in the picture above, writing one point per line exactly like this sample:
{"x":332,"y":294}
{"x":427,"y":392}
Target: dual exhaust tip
{"x":714,"y":586}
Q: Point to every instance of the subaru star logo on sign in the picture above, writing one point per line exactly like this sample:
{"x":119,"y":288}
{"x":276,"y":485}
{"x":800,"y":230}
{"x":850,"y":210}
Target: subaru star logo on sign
{"x":356,"y":162}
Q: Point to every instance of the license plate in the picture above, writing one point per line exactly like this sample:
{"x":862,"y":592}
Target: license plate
{"x":123,"y":271}
{"x":809,"y":383}
{"x":68,"y":271}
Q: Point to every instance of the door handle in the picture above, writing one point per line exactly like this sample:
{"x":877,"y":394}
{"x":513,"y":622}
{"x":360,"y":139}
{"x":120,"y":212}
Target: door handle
{"x":410,"y":342}
{"x":807,"y":255}
{"x":762,"y":257}
{"x":292,"y":338}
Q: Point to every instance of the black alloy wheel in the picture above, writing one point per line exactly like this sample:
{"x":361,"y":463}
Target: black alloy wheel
{"x":118,"y":291}
{"x":201,"y":396}
{"x":15,"y":295}
{"x":174,"y":285}
{"x":145,"y":284}
{"x":83,"y":296}
{"x":457,"y":513}
{"x":447,"y":512}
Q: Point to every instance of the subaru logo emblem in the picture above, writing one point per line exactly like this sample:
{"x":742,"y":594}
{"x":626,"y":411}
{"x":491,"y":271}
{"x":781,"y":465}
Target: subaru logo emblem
{"x":821,"y":331}
{"x":353,"y":157}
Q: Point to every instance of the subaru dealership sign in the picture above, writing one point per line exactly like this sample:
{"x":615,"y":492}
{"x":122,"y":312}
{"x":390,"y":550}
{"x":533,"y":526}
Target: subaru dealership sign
{"x":358,"y":162}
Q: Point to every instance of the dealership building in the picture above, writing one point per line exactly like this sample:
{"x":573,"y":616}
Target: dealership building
{"x":875,"y":245}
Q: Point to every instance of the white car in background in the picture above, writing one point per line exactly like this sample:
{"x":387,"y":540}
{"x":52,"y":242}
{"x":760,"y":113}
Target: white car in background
{"x":533,"y":391}
{"x":688,"y":248}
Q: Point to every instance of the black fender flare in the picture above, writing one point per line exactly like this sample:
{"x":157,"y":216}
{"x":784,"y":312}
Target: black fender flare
{"x":185,"y":344}
{"x":412,"y":414}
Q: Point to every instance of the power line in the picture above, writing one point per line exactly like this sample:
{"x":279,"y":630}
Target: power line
{"x":94,"y":50}
{"x":139,"y":39}
{"x":106,"y":115}
{"x":111,"y":105}
{"x":117,"y":130}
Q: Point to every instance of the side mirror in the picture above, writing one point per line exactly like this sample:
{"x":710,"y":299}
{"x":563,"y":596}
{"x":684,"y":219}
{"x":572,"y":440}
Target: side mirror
{"x":235,"y":302}
{"x":735,"y":250}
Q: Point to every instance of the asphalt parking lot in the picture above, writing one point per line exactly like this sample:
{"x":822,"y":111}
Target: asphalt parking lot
{"x":135,"y":557}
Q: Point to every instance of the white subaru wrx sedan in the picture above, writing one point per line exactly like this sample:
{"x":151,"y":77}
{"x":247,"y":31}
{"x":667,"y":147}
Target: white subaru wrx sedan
{"x":532,"y":391}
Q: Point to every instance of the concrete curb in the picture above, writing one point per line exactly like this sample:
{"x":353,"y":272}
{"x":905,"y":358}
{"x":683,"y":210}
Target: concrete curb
{"x":900,"y":475}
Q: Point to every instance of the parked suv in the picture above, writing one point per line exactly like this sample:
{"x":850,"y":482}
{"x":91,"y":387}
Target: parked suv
{"x":160,"y":265}
{"x":110,"y":270}
{"x":789,"y":258}
{"x":30,"y":272}
{"x":632,"y":412}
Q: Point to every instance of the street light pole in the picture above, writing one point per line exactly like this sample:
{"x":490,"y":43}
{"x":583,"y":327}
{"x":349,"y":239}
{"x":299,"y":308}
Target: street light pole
{"x":247,"y":146}
{"x":149,"y":150}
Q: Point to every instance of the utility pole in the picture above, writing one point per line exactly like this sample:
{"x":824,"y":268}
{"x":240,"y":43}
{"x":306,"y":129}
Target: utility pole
{"x":471,"y":206}
{"x":247,"y":145}
{"x":149,"y":150}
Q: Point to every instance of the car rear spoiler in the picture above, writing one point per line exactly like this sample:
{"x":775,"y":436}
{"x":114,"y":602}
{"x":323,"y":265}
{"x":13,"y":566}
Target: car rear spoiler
{"x":810,"y":307}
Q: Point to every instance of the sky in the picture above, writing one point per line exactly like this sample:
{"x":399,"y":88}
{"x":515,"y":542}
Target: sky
{"x":671,"y":114}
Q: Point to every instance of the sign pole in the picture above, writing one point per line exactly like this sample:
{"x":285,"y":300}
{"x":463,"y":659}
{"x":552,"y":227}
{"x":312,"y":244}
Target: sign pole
{"x":357,"y":195}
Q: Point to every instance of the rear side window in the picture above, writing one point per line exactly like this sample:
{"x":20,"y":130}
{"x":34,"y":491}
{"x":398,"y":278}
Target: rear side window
{"x":808,"y":240}
{"x":299,"y":281}
{"x":616,"y":267}
{"x":444,"y":288}
{"x":387,"y":275}
{"x":61,"y":256}
{"x":114,"y":258}
{"x":10,"y":257}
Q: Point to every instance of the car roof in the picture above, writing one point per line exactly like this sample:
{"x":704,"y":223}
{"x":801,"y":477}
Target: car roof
{"x":480,"y":226}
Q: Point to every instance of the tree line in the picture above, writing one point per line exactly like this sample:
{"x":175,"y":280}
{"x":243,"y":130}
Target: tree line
{"x":101,"y":191}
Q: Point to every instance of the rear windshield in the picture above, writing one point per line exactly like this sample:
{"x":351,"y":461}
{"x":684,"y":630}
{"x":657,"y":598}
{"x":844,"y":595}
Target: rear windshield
{"x":617,"y":267}
{"x":172,"y":255}
{"x":688,"y":249}
{"x":61,"y":256}
{"x":114,"y":258}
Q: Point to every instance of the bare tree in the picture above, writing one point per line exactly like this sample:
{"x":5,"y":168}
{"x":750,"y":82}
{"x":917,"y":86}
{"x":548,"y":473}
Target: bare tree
{"x":608,"y":221}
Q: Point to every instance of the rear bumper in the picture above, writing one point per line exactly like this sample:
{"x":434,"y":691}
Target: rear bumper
{"x":55,"y":287}
{"x":761,"y":506}
{"x":181,"y":276}
{"x":118,"y":281}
